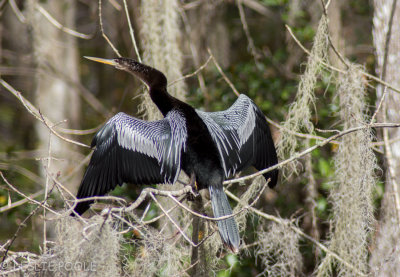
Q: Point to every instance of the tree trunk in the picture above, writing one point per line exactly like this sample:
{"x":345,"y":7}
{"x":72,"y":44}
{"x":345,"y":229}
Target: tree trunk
{"x":56,"y":61}
{"x":55,"y":55}
{"x":385,"y":257}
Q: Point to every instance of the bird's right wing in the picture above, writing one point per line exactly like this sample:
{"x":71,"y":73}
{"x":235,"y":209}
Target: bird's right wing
{"x":135,"y":151}
{"x":243,"y":138}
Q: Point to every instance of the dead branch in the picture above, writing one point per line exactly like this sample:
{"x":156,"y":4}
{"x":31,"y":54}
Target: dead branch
{"x":103,"y":33}
{"x":221,"y":217}
{"x":191,"y":74}
{"x":246,"y":30}
{"x":145,"y":192}
{"x":36,"y":113}
{"x":59,"y":26}
{"x":131,"y":32}
{"x":17,"y":11}
{"x":312,"y":148}
{"x":222,"y":73}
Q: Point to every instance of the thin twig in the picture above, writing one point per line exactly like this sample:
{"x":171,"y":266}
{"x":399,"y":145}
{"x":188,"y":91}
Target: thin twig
{"x":80,"y":132}
{"x":17,"y":11}
{"x":49,"y":158}
{"x":21,"y":202}
{"x":341,"y":58}
{"x":104,"y":35}
{"x":257,"y":6}
{"x":246,"y":30}
{"x":131,"y":32}
{"x":23,"y":171}
{"x":58,"y":135}
{"x":159,"y":217}
{"x":301,"y":135}
{"x":59,"y":26}
{"x":22,"y":224}
{"x":25,"y":196}
{"x":36,"y":113}
{"x":191,"y":74}
{"x":222,"y":73}
{"x":154,"y":191}
{"x":173,"y":221}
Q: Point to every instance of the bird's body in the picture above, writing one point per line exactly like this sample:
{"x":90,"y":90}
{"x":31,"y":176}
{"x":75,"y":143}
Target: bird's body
{"x":209,"y":146}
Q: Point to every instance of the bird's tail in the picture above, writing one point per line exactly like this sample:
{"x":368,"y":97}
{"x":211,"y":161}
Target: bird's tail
{"x":227,"y":227}
{"x":81,"y":207}
{"x":83,"y":192}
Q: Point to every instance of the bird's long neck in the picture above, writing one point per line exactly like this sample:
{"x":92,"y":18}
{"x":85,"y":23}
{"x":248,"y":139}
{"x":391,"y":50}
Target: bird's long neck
{"x":163,"y":100}
{"x":156,"y":81}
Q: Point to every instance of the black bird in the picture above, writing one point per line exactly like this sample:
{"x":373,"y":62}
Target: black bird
{"x":211,"y":146}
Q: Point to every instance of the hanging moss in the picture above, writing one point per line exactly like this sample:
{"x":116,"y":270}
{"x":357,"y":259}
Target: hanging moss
{"x":299,"y":115}
{"x":279,"y":250}
{"x":351,"y":197}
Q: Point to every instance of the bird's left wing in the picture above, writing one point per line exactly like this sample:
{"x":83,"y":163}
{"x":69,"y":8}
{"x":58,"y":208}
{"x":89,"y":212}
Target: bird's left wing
{"x":243,"y":138}
{"x":135,"y":151}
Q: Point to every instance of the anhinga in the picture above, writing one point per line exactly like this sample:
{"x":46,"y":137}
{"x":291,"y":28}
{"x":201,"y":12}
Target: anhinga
{"x":211,"y":146}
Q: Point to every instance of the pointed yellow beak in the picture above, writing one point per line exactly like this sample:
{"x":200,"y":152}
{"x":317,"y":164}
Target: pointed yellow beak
{"x":99,"y":60}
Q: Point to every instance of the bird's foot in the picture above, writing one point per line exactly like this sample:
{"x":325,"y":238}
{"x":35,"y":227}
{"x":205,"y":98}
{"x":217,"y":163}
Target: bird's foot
{"x":193,"y":193}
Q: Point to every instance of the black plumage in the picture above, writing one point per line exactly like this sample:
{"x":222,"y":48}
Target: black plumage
{"x":209,"y":146}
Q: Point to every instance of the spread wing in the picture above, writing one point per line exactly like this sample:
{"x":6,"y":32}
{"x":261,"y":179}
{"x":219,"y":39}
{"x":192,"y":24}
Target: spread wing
{"x":243,"y":138}
{"x":134,"y":151}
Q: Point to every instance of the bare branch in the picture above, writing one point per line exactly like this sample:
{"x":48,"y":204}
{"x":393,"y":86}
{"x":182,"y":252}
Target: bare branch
{"x":131,"y":31}
{"x":42,"y":204}
{"x":36,"y":113}
{"x":310,"y":149}
{"x":221,"y":217}
{"x":246,"y":30}
{"x":223,"y":74}
{"x":103,"y":34}
{"x":17,"y":11}
{"x":173,"y":221}
{"x":59,"y":26}
{"x":191,"y":74}
{"x":144,"y":194}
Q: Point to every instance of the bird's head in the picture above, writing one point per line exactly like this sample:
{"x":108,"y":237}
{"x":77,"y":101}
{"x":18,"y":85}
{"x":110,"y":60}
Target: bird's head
{"x":150,"y":76}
